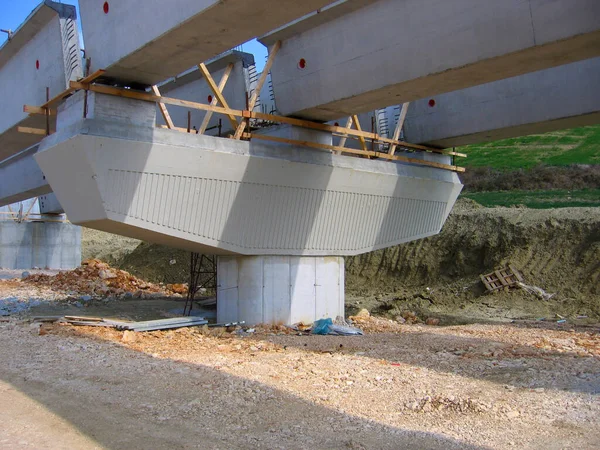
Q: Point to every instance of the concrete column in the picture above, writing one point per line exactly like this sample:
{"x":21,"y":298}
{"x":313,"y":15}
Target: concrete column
{"x":37,"y":244}
{"x":279,"y":289}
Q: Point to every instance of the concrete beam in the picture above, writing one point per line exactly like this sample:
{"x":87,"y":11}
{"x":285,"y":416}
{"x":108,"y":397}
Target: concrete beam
{"x":43,"y":52}
{"x":163,"y":38}
{"x":390,"y":51}
{"x":21,"y":178}
{"x":49,"y":204}
{"x":562,"y":97}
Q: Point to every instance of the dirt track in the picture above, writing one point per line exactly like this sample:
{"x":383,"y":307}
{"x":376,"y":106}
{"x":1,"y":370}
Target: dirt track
{"x":476,"y":386}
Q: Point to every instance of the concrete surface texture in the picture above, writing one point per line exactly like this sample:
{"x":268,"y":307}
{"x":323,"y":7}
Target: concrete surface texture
{"x":43,"y":245}
{"x":279,"y":289}
{"x":49,"y":204}
{"x":192,"y":86}
{"x":21,"y":178}
{"x":44,"y":52}
{"x":558,"y":98}
{"x":162,"y":39}
{"x":390,"y":52}
{"x":222,"y":196}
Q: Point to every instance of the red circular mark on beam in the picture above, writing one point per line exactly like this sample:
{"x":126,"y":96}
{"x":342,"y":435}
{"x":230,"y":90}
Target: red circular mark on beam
{"x":210,"y":99}
{"x":431,"y":103}
{"x":106,"y":8}
{"x":37,"y":64}
{"x":336,"y":124}
{"x":302,"y":63}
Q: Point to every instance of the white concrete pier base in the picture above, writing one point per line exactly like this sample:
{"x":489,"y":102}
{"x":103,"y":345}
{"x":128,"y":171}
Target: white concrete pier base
{"x":279,"y":289}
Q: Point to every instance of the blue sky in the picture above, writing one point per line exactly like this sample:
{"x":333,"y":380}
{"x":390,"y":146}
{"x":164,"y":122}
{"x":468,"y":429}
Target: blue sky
{"x":14,"y":12}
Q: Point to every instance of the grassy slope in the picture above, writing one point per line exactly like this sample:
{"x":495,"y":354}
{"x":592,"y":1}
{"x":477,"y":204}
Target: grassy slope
{"x":558,"y":148}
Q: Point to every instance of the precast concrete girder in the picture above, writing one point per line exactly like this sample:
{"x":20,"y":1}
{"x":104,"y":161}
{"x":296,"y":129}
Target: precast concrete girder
{"x":21,"y":178}
{"x":42,"y":53}
{"x":150,"y":43}
{"x":561,"y":97}
{"x":387,"y":52}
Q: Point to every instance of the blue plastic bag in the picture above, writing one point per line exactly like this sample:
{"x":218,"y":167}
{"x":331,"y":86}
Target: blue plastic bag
{"x":321,"y":326}
{"x":326,"y":326}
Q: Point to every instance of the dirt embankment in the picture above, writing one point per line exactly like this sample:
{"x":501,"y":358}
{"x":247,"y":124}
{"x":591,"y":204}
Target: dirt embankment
{"x":557,"y":250}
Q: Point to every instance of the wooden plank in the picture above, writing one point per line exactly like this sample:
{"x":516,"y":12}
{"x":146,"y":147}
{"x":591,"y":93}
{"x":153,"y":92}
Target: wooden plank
{"x":344,"y":138}
{"x":71,"y":89}
{"x":29,"y":130}
{"x":218,"y":93}
{"x":144,"y":96}
{"x":353,"y":151}
{"x":341,"y":130}
{"x":221,"y":86}
{"x":47,"y":114}
{"x":516,"y":273}
{"x":36,"y":110}
{"x":183,"y":130}
{"x":139,"y":95}
{"x":399,"y":126}
{"x":163,"y":108}
{"x":259,"y":85}
{"x":501,"y":278}
{"x":361,"y":139}
{"x":485,"y":283}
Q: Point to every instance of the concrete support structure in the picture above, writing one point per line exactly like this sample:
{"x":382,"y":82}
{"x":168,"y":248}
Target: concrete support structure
{"x":562,"y":97}
{"x":279,"y":289}
{"x":221,"y":196}
{"x":163,"y":38}
{"x":338,"y":63}
{"x":43,"y":52}
{"x":27,"y":245}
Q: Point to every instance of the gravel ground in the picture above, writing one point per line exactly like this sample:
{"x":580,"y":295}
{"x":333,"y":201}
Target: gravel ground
{"x":473,"y":386}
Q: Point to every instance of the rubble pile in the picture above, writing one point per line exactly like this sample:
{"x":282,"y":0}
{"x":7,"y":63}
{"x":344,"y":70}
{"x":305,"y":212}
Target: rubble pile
{"x":98,"y":279}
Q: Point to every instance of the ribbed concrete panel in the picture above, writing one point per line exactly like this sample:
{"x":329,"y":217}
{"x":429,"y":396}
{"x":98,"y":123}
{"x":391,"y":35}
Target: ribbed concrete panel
{"x":234,"y":197}
{"x":319,"y":220}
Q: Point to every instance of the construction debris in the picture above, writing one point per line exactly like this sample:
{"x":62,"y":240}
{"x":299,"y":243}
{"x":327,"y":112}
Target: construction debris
{"x":122,"y":325}
{"x":98,"y":279}
{"x":499,"y":279}
{"x":538,"y":292}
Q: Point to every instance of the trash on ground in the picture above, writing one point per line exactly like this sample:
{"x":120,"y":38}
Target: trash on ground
{"x":538,"y":292}
{"x":326,"y":326}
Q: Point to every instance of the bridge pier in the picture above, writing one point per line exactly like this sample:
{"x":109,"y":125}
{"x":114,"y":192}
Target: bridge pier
{"x":279,"y":289}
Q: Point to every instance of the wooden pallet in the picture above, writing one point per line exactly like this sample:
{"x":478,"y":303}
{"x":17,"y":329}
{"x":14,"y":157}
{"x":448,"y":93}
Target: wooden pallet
{"x":499,"y":279}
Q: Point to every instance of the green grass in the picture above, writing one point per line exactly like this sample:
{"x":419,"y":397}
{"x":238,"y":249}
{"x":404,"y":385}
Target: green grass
{"x":558,"y":148}
{"x":538,"y":199}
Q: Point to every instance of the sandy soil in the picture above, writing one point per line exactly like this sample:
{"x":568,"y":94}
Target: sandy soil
{"x":474,"y":386}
